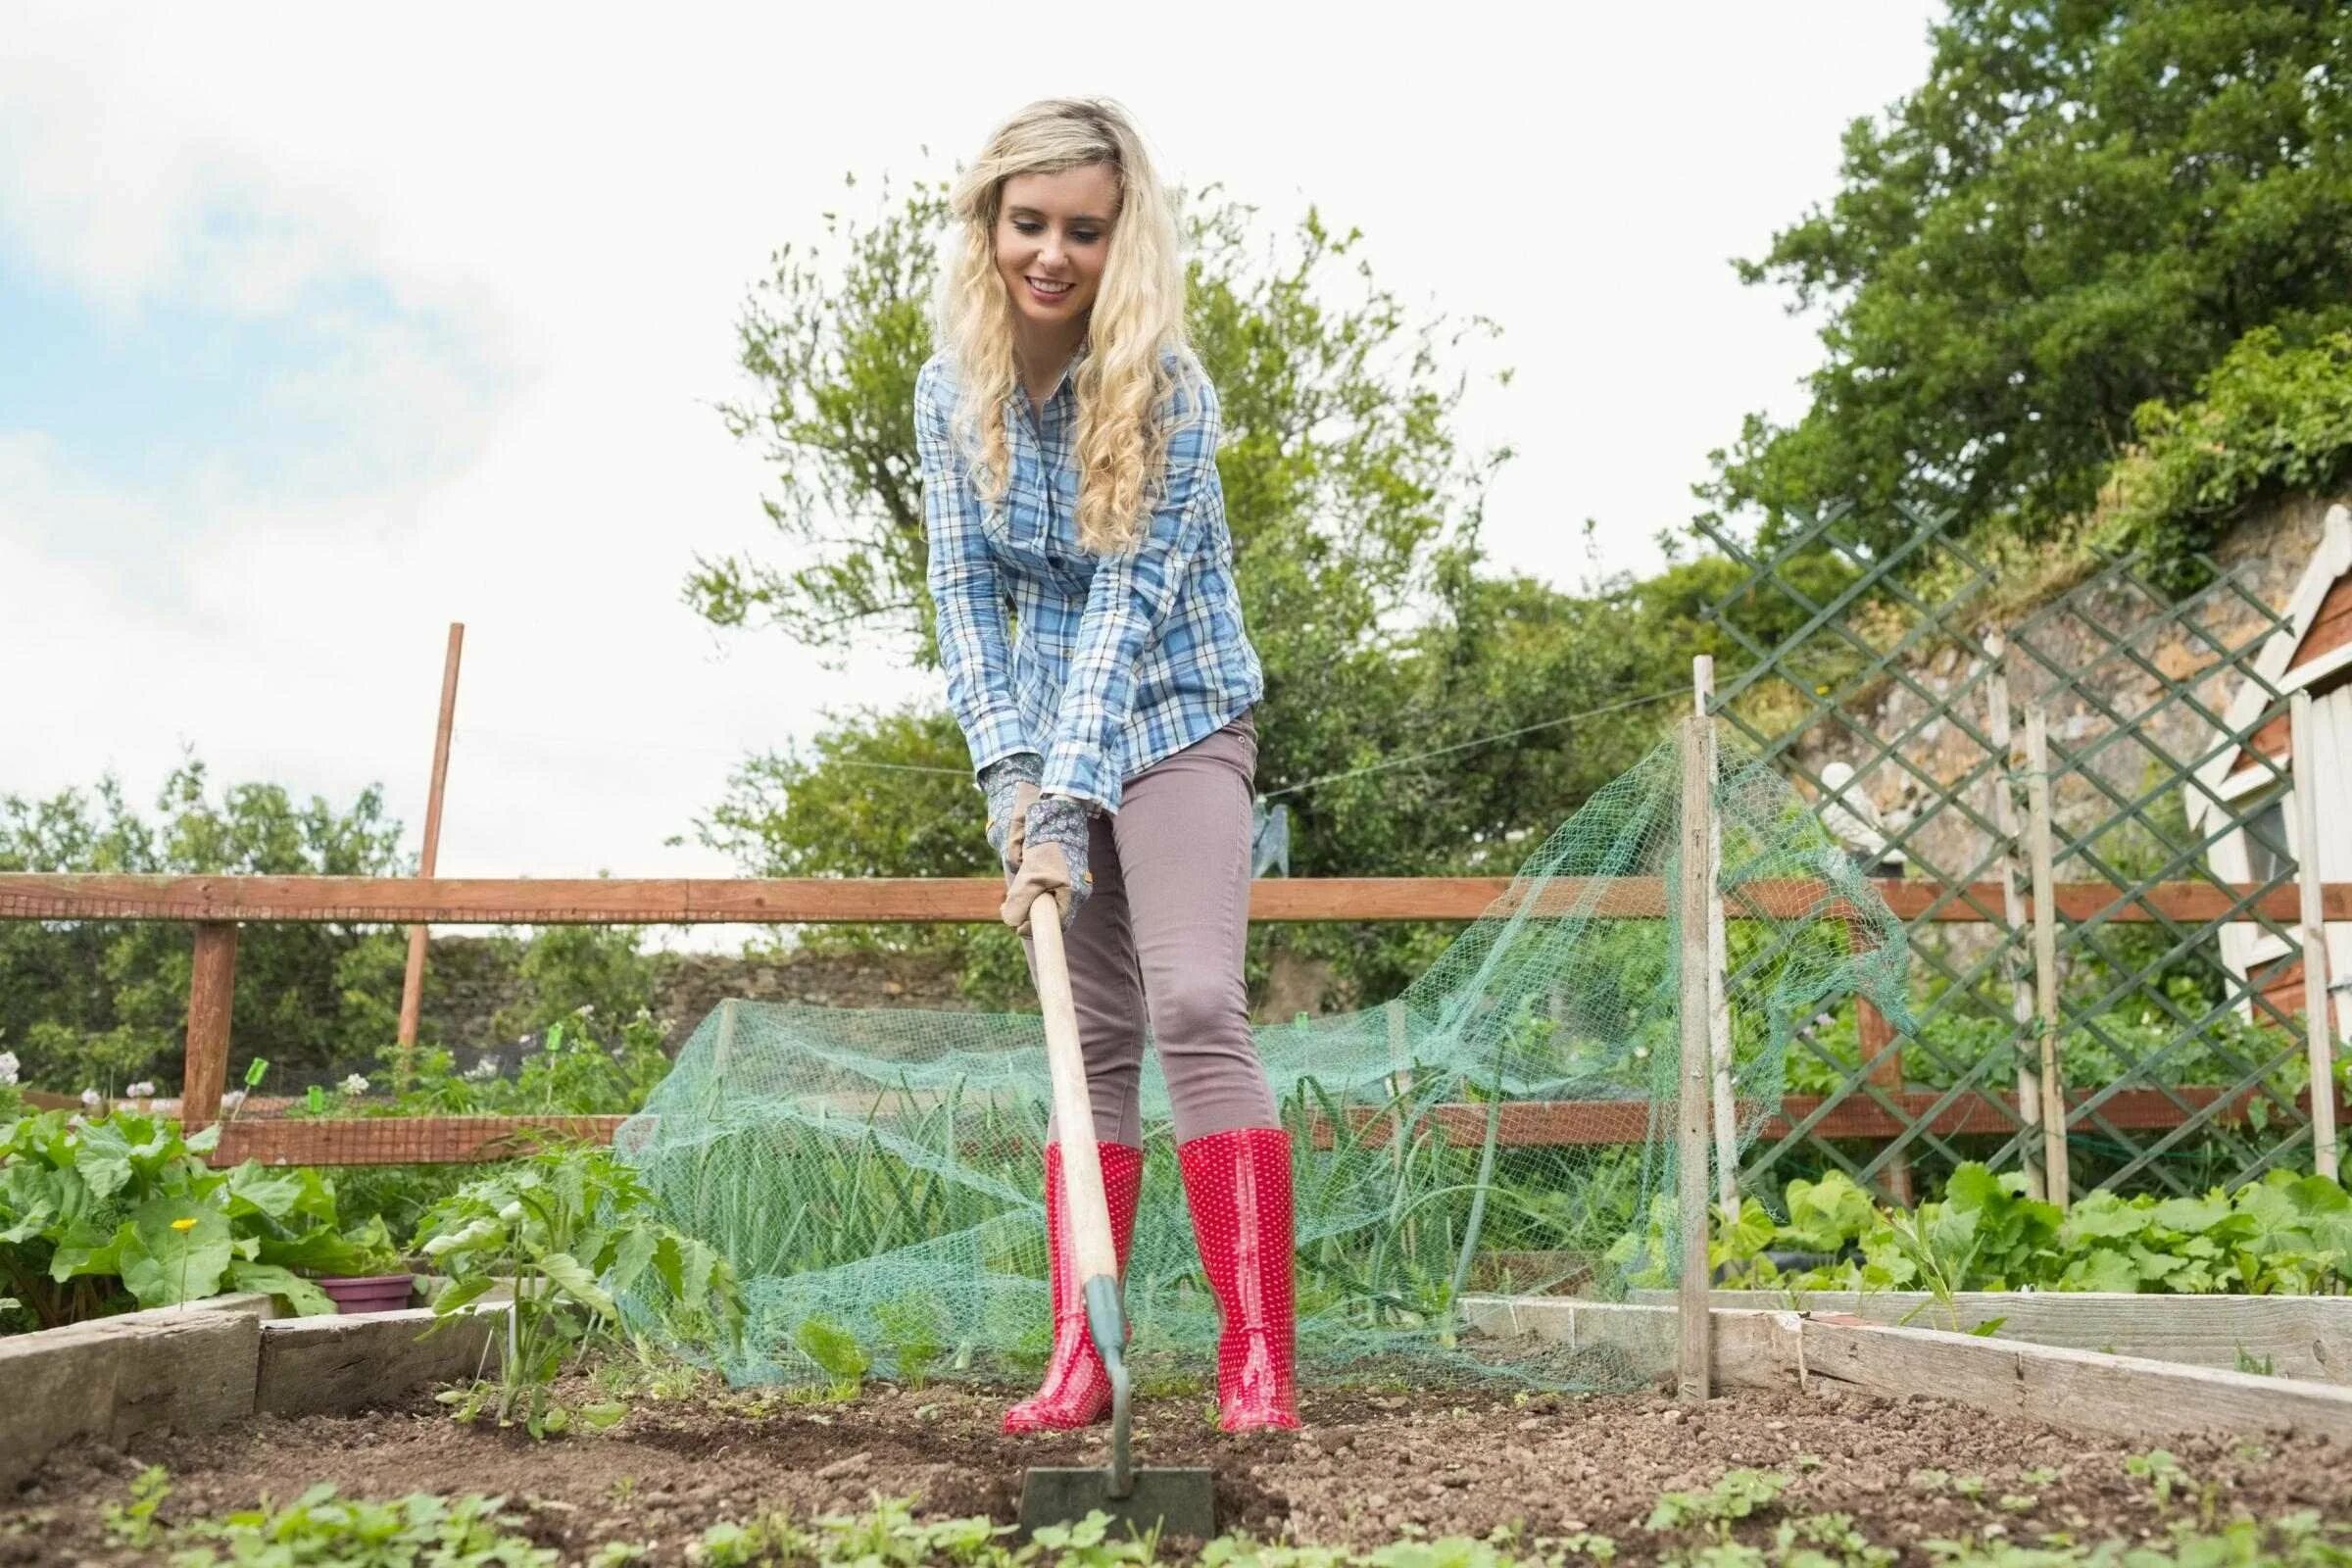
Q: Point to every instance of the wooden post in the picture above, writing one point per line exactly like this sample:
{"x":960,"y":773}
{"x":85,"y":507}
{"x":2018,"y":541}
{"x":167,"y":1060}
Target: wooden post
{"x":212,"y":985}
{"x":1400,"y":1091}
{"x":1719,"y":1005}
{"x":2045,"y":954}
{"x":2013,"y":913}
{"x":1879,"y":1046}
{"x":1695,"y":1371}
{"x":412,"y":985}
{"x":2317,"y":1024}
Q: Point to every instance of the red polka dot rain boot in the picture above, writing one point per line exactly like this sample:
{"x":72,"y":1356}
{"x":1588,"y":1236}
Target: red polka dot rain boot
{"x":1076,"y":1391}
{"x":1239,"y":1186}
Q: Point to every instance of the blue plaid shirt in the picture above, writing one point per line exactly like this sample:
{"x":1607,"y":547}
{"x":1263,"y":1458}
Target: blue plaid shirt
{"x":1113,"y":663}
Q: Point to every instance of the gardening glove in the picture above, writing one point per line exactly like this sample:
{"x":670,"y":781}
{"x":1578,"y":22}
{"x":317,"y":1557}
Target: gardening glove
{"x":1053,"y":860}
{"x":1011,"y":786}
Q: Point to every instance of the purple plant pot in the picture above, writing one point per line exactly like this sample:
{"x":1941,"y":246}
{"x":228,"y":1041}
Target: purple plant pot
{"x":368,"y":1293}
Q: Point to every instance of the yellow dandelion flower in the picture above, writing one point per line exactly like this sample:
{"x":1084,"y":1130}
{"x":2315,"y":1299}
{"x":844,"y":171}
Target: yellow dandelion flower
{"x":187,"y":1224}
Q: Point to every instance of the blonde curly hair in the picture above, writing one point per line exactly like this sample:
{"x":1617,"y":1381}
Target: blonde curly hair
{"x":1135,"y":326}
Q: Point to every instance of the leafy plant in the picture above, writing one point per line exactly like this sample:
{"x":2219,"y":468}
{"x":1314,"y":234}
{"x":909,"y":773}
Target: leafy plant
{"x":1736,"y":1496}
{"x":319,"y":1528}
{"x":574,"y":1229}
{"x":2285,"y":1234}
{"x":133,"y":1523}
{"x":99,"y":1216}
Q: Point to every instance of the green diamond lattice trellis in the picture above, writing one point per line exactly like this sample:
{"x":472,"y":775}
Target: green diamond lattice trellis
{"x":1902,"y":660}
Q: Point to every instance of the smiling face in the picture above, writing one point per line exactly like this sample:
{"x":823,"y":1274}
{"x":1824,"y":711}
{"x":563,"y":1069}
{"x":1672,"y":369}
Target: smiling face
{"x":1052,"y":237}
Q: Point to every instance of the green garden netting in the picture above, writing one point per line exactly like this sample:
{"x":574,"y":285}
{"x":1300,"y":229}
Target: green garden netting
{"x":875,"y":1176}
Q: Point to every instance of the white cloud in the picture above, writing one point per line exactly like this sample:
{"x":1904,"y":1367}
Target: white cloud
{"x":564,"y":210}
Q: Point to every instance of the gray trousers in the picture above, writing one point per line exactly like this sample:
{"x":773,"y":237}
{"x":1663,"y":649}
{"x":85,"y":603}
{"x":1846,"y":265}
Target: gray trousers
{"x":1157,"y":948}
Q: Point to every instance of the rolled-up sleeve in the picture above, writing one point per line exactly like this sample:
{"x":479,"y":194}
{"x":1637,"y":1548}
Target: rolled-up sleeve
{"x":967,"y":590}
{"x":1127,"y":601}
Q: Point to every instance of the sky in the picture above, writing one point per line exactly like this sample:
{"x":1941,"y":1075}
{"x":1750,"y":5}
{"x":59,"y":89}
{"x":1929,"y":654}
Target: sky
{"x":324,"y":328}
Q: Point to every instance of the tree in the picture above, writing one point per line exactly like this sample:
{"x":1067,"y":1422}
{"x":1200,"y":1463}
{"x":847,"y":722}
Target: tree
{"x":101,"y":1003}
{"x":2082,"y":208}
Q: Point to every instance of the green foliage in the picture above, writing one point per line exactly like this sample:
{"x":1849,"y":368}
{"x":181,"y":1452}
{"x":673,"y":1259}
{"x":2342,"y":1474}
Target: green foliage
{"x":2282,"y":1235}
{"x":133,"y":1523}
{"x":2115,"y":1047}
{"x":1736,"y":1496}
{"x":573,"y":1070}
{"x":834,"y":1350}
{"x":570,"y":972}
{"x":2274,"y":416}
{"x":104,"y":1003}
{"x":573,"y":1228}
{"x":2082,"y":209}
{"x":102,"y":1216}
{"x":319,"y":1528}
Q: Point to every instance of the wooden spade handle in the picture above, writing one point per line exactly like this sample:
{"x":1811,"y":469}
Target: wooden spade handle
{"x":1085,"y":1210}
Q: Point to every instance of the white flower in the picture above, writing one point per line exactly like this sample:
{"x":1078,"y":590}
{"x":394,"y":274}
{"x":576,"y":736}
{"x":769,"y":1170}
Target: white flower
{"x":89,"y":1098}
{"x":8,"y":1066}
{"x":141,"y":1091}
{"x":586,"y":1010}
{"x":484,"y":1068}
{"x":355,"y":1085}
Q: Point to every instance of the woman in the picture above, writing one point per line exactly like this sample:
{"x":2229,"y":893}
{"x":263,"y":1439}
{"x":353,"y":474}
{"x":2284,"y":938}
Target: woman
{"x":1068,"y":441}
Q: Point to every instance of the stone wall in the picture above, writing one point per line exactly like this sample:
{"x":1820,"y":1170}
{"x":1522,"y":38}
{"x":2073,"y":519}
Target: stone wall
{"x":471,"y":980}
{"x":2270,"y":547}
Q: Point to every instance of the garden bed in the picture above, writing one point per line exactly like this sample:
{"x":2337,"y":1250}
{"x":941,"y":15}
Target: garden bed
{"x":1369,"y":1468}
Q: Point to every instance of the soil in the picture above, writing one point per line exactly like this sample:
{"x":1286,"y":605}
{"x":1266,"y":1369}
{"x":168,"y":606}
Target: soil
{"x":1369,"y":1468}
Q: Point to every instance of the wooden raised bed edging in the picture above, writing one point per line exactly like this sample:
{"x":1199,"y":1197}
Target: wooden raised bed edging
{"x":2084,"y":1391}
{"x":211,"y":1363}
{"x":2308,"y":1337}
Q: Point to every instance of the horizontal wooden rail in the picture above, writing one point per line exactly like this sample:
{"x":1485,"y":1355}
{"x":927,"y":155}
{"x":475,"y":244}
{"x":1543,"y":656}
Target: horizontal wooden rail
{"x":1524,"y":1124}
{"x":780,"y":901}
{"x":400,"y":1139}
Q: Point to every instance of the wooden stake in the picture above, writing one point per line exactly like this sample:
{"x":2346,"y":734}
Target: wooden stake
{"x":2319,"y":1026}
{"x":212,"y":986}
{"x":1697,"y":1375}
{"x":1719,"y":1006}
{"x":412,"y":985}
{"x":2013,"y":911}
{"x":2045,"y":954}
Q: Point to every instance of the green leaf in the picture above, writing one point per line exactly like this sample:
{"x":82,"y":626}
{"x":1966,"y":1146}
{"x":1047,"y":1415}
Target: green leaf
{"x":164,"y":1264}
{"x":87,"y":1249}
{"x":301,"y":1294}
{"x":2190,"y":1215}
{"x":602,"y":1414}
{"x":568,"y":1276}
{"x":252,"y":1188}
{"x":102,"y":1157}
{"x":2102,"y":1214}
{"x":2101,"y":1270}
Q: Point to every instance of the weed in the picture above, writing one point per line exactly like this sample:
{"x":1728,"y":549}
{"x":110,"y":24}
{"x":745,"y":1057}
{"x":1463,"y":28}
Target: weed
{"x":133,"y":1524}
{"x":1740,"y":1494}
{"x":319,"y":1528}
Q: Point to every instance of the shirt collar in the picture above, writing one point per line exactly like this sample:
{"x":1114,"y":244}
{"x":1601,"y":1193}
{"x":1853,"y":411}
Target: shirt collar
{"x":1069,"y":371}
